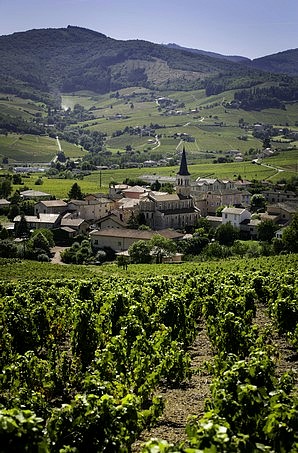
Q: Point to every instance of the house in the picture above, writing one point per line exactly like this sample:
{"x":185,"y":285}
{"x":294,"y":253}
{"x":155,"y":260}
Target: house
{"x":235,"y":216}
{"x":211,"y":185}
{"x":285,"y":211}
{"x":50,"y":207}
{"x":116,"y":190}
{"x":47,"y":221}
{"x":35,"y":195}
{"x":214,"y":221}
{"x":169,"y":211}
{"x":249,"y":228}
{"x":91,"y":208}
{"x":209,"y":202}
{"x":64,"y":235}
{"x":4,"y":204}
{"x":134,"y":192}
{"x":279,"y":196}
{"x":111,"y":220}
{"x":79,"y":225}
{"x":122,"y":239}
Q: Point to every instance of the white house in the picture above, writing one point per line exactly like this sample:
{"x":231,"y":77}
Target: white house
{"x":235,"y":216}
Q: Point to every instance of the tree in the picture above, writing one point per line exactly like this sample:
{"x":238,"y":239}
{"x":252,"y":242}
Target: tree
{"x":8,"y":249}
{"x":194,"y":245}
{"x":290,"y":235}
{"x":161,"y":247}
{"x":257,"y":201}
{"x":14,"y":211}
{"x":155,"y":186}
{"x":22,"y":229}
{"x":5,"y":188}
{"x":75,"y":192}
{"x":48,"y":234}
{"x":266,"y":230}
{"x":139,"y":252}
{"x":226,"y":234}
{"x":39,"y":241}
{"x":205,"y":224}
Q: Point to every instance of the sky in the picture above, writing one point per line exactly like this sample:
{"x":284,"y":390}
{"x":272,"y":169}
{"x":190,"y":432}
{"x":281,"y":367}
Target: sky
{"x":251,"y":28}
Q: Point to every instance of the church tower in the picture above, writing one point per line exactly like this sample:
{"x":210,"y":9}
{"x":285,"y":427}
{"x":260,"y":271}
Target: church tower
{"x":183,"y":177}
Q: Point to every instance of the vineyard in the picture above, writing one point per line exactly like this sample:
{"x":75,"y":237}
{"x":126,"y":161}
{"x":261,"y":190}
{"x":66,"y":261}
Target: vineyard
{"x":83,"y":359}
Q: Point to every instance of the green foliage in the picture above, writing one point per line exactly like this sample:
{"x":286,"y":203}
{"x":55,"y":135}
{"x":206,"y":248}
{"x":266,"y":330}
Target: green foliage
{"x":161,"y":247}
{"x":226,"y":234}
{"x":22,"y":228}
{"x":139,"y":252}
{"x":75,"y":192}
{"x":266,"y":230}
{"x":78,"y":253}
{"x":257,"y":201}
{"x":290,"y":235}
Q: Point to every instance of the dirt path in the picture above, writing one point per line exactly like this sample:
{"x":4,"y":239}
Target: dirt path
{"x":185,"y":401}
{"x":287,"y":358}
{"x":189,"y":400}
{"x":56,"y":251}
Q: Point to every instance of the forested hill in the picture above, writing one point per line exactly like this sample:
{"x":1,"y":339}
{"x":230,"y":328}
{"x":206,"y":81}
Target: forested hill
{"x":74,"y":58}
{"x":42,"y":63}
{"x":283,"y":62}
{"x":234,"y":58}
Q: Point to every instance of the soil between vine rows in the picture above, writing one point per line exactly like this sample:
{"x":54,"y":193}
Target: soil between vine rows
{"x":182,"y":402}
{"x":188,"y":400}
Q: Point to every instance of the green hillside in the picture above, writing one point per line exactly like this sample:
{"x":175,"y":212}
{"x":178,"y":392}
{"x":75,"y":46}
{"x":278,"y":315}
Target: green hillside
{"x":34,"y":148}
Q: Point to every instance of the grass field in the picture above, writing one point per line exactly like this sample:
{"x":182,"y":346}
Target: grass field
{"x":91,"y":183}
{"x":34,"y":148}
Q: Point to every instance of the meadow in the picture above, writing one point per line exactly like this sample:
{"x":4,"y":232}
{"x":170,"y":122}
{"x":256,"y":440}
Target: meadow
{"x":25,"y":148}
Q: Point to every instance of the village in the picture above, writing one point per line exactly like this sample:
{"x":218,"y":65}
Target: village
{"x":128,"y":214}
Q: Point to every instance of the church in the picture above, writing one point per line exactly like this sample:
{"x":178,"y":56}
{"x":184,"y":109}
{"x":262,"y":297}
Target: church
{"x":176,"y":211}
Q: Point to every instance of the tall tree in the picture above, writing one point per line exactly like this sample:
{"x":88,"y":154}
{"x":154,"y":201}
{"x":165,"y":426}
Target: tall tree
{"x":75,"y":192}
{"x":22,"y":229}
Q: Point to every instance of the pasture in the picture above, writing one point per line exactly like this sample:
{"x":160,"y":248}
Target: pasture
{"x":34,"y":148}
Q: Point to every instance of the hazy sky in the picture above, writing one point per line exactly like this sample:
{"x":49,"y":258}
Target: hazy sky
{"x":251,"y":28}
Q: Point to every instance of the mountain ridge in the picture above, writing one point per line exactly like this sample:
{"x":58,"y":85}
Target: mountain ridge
{"x":53,"y":60}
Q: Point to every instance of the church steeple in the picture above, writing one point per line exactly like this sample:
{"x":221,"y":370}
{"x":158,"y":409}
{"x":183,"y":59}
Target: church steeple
{"x":183,"y":177}
{"x":183,"y":171}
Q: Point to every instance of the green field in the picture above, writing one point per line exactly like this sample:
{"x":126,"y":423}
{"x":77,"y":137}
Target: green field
{"x":214,"y":128}
{"x":18,"y":107}
{"x":34,"y":148}
{"x":203,"y":125}
{"x":91,"y":183}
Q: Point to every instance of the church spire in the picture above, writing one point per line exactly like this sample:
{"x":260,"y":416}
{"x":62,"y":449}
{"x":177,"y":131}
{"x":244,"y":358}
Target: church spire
{"x":183,"y":171}
{"x":183,"y":186}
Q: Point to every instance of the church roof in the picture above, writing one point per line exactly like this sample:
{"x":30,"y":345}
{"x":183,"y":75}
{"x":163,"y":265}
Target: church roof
{"x":183,"y":171}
